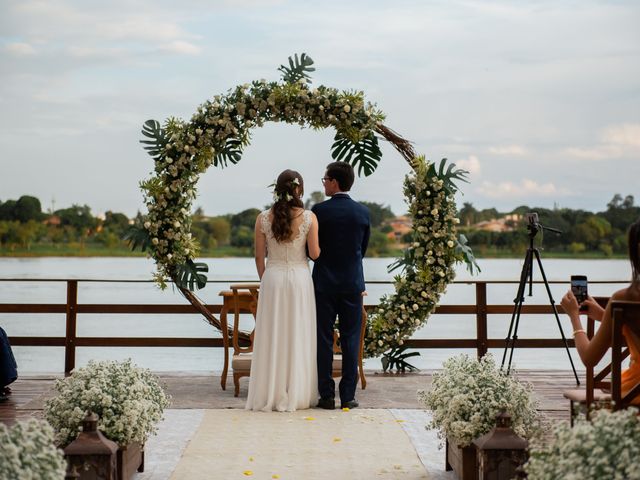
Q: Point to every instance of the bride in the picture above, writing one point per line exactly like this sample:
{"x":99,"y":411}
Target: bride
{"x":283,"y":370}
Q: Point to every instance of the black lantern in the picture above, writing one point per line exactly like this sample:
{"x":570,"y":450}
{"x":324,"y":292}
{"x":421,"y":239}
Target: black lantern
{"x":500,"y":452}
{"x":93,"y":454}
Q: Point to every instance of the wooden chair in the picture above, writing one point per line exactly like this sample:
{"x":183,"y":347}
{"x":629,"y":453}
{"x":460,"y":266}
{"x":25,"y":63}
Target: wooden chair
{"x":603,"y":389}
{"x":245,"y":298}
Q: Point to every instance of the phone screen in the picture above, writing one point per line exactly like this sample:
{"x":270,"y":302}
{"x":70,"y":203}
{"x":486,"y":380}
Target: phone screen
{"x":579,"y":287}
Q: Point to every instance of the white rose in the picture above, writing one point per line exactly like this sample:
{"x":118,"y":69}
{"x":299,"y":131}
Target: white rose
{"x":154,"y":240}
{"x":434,"y":211}
{"x":176,"y":224}
{"x":415,"y":307}
{"x":347,"y":108}
{"x":450,"y":244}
{"x":424,"y":294}
{"x":169,"y":256}
{"x":147,"y":225}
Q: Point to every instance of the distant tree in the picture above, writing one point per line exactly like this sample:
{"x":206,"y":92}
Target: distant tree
{"x":27,"y":208}
{"x":378,"y":244}
{"x":467,"y":214}
{"x":7,"y":210}
{"x":199,"y":212}
{"x":593,"y":231}
{"x":378,"y":213}
{"x":242,"y":236}
{"x":116,"y":223}
{"x":78,"y":217}
{"x":315,"y":197}
{"x":246,"y":218}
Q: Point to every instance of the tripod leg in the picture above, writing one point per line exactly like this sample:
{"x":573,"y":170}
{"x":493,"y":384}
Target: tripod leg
{"x":555,"y":312}
{"x":515,"y":316}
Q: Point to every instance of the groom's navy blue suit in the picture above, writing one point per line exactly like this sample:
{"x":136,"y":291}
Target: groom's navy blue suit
{"x":338,"y":278}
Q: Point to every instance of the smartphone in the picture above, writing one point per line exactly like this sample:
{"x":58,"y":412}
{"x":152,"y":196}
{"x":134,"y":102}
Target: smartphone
{"x":579,"y":287}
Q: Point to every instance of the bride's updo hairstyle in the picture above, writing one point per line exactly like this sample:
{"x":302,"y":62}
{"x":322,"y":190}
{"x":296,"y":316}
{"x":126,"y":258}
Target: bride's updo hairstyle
{"x":289,"y":189}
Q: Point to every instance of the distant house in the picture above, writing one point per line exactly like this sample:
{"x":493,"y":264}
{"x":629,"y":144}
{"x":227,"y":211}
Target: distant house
{"x":507,"y":223}
{"x":53,"y":220}
{"x":400,"y":226}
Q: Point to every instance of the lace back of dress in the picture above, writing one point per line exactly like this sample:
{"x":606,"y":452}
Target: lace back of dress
{"x":292,"y":251}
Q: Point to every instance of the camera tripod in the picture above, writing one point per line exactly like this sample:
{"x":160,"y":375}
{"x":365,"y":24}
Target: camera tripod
{"x":527,"y":275}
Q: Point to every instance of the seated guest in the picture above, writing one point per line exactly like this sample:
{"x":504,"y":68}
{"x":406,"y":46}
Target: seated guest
{"x":8,"y":367}
{"x":592,"y":351}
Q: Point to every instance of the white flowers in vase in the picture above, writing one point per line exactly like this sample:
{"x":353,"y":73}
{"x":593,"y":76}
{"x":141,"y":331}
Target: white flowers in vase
{"x":129,"y":401}
{"x":467,"y":394}
{"x":607,"y":447}
{"x":28,"y":451}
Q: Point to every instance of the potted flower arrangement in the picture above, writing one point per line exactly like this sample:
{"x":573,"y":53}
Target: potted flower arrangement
{"x":128,"y":400}
{"x":27,"y":450}
{"x":606,"y":447}
{"x":465,"y":398}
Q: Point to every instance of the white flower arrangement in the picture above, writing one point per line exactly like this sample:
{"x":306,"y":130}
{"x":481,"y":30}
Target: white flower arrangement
{"x":468,"y":394}
{"x":129,"y":401}
{"x":28,"y":452}
{"x":607,"y":447}
{"x":429,"y":261}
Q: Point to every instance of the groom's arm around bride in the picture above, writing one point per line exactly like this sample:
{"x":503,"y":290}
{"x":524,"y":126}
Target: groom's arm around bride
{"x":338,"y":278}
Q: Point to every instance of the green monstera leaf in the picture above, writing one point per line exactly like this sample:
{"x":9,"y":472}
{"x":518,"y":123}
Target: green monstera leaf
{"x":156,"y":146}
{"x":189,"y":275}
{"x":137,"y":237}
{"x":231,"y":152}
{"x":365,"y":154}
{"x":297,"y":69}
{"x":449,"y":176}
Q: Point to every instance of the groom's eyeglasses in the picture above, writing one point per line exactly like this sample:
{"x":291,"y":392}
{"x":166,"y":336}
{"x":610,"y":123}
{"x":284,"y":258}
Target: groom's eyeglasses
{"x":326,"y":179}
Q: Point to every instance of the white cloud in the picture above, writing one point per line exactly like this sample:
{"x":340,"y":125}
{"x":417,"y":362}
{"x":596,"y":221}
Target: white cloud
{"x":20,"y":49}
{"x":470,"y":164}
{"x":511,"y":150}
{"x":526,"y":187}
{"x":617,"y":141}
{"x":627,"y":134}
{"x":181,"y":47}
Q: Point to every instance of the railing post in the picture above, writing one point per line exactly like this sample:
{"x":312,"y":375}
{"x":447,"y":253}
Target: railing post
{"x":481,"y":318}
{"x":70,"y":334}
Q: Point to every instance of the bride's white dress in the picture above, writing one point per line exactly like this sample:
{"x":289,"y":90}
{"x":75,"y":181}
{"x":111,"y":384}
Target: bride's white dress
{"x":284,"y":374}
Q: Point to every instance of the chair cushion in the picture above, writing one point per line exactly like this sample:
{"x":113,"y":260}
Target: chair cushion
{"x":580,"y":395}
{"x":241,"y":362}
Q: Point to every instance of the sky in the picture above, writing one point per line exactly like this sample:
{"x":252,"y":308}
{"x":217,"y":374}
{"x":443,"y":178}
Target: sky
{"x":539,"y":101}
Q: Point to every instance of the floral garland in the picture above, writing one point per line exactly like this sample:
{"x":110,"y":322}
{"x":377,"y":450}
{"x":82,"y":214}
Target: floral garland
{"x":216,"y":135}
{"x":428,"y":264}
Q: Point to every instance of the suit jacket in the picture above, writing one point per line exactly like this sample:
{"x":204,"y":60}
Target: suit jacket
{"x":343,"y":229}
{"x":8,"y":367}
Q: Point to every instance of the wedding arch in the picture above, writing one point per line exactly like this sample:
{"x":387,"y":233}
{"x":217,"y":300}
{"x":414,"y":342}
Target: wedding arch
{"x":218,"y":133}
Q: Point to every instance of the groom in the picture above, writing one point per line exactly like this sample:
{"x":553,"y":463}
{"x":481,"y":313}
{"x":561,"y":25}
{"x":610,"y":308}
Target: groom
{"x":343,"y":226}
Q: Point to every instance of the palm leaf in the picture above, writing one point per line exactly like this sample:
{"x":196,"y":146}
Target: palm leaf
{"x":467,"y":254}
{"x":297,"y":69}
{"x":402,"y":262}
{"x":156,"y":146}
{"x":449,"y":176}
{"x":231,"y":152}
{"x":137,"y":237}
{"x":189,"y":275}
{"x":365,"y":154}
{"x":396,"y":359}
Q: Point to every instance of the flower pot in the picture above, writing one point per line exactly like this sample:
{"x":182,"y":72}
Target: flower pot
{"x":462,"y":460}
{"x":130,"y":459}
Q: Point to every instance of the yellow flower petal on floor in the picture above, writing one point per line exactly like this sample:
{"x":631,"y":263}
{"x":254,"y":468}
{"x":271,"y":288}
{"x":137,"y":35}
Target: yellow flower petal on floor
{"x":309,"y":418}
{"x":345,"y":409}
{"x":400,"y":421}
{"x":251,"y":459}
{"x":275,"y":476}
{"x":247,"y":473}
{"x":336,"y":439}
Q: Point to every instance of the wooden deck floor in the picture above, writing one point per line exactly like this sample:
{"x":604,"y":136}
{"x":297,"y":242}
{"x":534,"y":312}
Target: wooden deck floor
{"x":190,"y":390}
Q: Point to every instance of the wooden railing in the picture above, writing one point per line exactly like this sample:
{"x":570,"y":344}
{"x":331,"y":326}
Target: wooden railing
{"x":71,"y":309}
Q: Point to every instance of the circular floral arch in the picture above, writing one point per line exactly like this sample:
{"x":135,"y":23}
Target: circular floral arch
{"x":217,"y":134}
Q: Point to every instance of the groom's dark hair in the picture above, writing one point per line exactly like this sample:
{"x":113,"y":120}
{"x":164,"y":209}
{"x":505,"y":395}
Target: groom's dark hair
{"x":342,"y":172}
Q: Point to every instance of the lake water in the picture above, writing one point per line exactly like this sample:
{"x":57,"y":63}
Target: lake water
{"x":226,"y":270}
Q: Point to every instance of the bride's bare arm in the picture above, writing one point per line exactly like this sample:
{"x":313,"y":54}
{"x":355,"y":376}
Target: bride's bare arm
{"x":260,"y":247}
{"x":312,"y":238}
